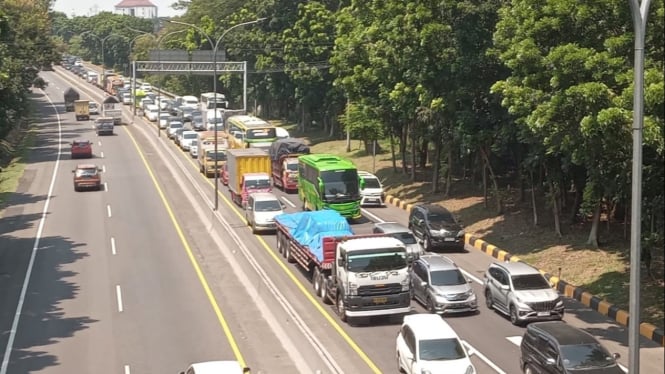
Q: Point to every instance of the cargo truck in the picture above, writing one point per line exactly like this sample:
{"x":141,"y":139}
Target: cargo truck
{"x":82,"y":110}
{"x":362,"y":275}
{"x":284,"y":162}
{"x":111,"y":107}
{"x":248,"y":171}
{"x":206,"y":152}
{"x":104,"y":126}
{"x":71,"y":95}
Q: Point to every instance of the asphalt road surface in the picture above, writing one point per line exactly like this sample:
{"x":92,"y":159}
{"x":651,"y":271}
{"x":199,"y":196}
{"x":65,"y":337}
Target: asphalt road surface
{"x":144,"y":277}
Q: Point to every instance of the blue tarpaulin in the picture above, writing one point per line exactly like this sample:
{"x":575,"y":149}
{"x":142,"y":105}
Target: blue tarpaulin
{"x":309,"y":228}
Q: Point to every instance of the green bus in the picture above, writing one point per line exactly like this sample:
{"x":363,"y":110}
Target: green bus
{"x":329,"y":182}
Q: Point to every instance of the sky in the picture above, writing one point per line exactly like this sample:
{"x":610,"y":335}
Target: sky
{"x":92,"y":7}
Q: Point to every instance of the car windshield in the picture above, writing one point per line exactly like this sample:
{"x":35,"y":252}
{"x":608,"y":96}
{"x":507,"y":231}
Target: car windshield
{"x":221,"y":155}
{"x":292,"y":166}
{"x":529,"y":282}
{"x":452,"y":277}
{"x":257,"y":183}
{"x":585,"y":356}
{"x":190,"y":136}
{"x":376,"y":261}
{"x":371,"y":182}
{"x":175,"y":125}
{"x":87,"y":172}
{"x":405,"y":237}
{"x":441,"y":349}
{"x":81,"y":144}
{"x":439,"y":217}
{"x":267,"y":206}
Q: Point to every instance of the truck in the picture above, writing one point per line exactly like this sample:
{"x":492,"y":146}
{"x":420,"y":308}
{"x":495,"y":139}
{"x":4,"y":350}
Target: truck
{"x":104,"y":125}
{"x":82,"y":110}
{"x":248,"y":171}
{"x":70,"y":95}
{"x":205,"y":155}
{"x":362,"y":275}
{"x":111,"y":107}
{"x":284,"y":162}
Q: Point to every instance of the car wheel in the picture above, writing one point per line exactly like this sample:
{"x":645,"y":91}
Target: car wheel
{"x":513,"y":316}
{"x":426,"y":244}
{"x":399,"y":365}
{"x":488,"y":299}
{"x":430,"y":305}
{"x":254,"y":228}
{"x":341,"y":309}
{"x":529,"y":370}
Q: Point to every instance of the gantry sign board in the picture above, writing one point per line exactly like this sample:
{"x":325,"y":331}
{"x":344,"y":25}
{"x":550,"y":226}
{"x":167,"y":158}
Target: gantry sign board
{"x":190,"y":67}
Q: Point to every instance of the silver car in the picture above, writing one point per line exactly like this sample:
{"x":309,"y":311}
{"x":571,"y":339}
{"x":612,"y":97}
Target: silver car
{"x":401,"y":232}
{"x":438,"y":284}
{"x":520,"y":291}
{"x":261,"y":209}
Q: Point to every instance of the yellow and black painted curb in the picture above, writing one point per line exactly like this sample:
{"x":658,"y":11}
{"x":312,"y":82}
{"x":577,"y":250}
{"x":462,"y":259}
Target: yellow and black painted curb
{"x":647,"y":330}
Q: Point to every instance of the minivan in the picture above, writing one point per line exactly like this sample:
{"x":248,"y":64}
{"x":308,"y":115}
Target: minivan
{"x":261,"y":209}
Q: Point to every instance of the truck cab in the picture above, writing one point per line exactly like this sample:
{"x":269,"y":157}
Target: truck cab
{"x":254,"y":182}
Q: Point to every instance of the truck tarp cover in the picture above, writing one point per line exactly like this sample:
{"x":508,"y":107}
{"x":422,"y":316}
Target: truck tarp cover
{"x":309,"y":228}
{"x":111,"y":100}
{"x":286,"y":147}
{"x":72,"y":94}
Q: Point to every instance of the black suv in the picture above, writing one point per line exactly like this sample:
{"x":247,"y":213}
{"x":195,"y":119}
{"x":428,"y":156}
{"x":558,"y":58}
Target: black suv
{"x":556,"y":347}
{"x":435,"y":227}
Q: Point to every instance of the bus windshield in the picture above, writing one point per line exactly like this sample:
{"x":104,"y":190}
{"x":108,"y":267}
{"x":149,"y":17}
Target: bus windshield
{"x":263,"y":133}
{"x":340,"y":185}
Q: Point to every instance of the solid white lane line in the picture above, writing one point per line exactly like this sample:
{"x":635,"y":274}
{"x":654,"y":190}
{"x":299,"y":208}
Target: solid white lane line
{"x":113,"y":246}
{"x":103,"y":168}
{"x":99,"y":142}
{"x":371,"y":215}
{"x":31,"y":262}
{"x":483,"y":357}
{"x":118,"y":296}
{"x":106,"y":187}
{"x":292,"y":205}
{"x":127,"y":369}
{"x":108,"y":210}
{"x":470,"y":276}
{"x":101,"y":154}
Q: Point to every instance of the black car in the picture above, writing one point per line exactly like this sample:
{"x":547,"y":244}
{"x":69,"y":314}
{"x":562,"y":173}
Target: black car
{"x":556,"y":347}
{"x":435,"y":227}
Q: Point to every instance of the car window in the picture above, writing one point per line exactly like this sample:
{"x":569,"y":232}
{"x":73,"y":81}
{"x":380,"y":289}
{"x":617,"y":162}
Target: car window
{"x":440,"y":217}
{"x":257,"y":183}
{"x":405,"y":237}
{"x":585,"y":356}
{"x":529,"y":282}
{"x":190,"y":136}
{"x":372,"y":182}
{"x":420,"y":271}
{"x":409,"y":339}
{"x":267,"y":206}
{"x":450,"y":277}
{"x":441,"y":349}
{"x":88,"y":172}
{"x":221,"y":155}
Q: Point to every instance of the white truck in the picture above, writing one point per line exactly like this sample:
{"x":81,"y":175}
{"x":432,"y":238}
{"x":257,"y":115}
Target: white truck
{"x":111,"y":107}
{"x":363,"y":275}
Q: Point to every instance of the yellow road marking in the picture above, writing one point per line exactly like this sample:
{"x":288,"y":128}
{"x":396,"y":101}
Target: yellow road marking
{"x":188,"y":249}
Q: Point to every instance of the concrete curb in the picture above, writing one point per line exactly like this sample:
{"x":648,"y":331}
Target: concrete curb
{"x":621,"y":316}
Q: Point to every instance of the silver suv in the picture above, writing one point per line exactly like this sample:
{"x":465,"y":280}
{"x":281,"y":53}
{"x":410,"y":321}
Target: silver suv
{"x":438,"y":284}
{"x":521,"y":292}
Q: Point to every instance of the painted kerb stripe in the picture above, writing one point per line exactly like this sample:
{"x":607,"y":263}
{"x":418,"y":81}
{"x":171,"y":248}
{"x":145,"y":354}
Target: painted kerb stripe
{"x":647,"y":330}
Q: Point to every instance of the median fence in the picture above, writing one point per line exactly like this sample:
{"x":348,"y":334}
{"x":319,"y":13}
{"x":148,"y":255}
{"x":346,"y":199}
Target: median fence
{"x":647,"y":330}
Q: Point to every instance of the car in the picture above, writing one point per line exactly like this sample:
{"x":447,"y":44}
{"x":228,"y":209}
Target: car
{"x":164,"y":118}
{"x":194,"y":148}
{"x":145,"y":86}
{"x":187,"y":137}
{"x":145,"y":102}
{"x":427,"y":344}
{"x":172,"y":127}
{"x":126,"y":98}
{"x":197,"y":121}
{"x":151,"y":112}
{"x":439,"y":285}
{"x":86,"y":176}
{"x":81,"y":148}
{"x":261,"y":209}
{"x":401,"y":232}
{"x":521,"y":292}
{"x":371,"y":190}
{"x":216,"y":367}
{"x":282,"y":133}
{"x":558,"y":348}
{"x":185,"y":113}
{"x":93,"y":107}
{"x":435,"y":227}
{"x":177,"y":136}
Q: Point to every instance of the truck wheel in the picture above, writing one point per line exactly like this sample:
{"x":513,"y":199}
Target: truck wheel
{"x":341,"y":309}
{"x":279,"y":242}
{"x":287,"y":253}
{"x":325,"y":296}
{"x":316,"y":281}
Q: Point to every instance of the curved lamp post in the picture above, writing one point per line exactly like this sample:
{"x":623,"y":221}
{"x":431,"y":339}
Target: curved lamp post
{"x":159,"y":76}
{"x":131,"y":43}
{"x":214,"y":84}
{"x":103,"y":40}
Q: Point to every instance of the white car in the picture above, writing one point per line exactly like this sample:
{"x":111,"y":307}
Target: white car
{"x":93,"y":108}
{"x":173,"y":127}
{"x":126,"y":98}
{"x":194,"y":148}
{"x":427,"y":344}
{"x":146,"y":87}
{"x":216,"y":367}
{"x":151,"y":111}
{"x":261,"y":210}
{"x":164,"y":118}
{"x":186,"y":139}
{"x":371,"y":190}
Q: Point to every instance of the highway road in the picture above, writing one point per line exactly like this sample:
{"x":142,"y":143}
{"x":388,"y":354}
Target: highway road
{"x":152,"y":235}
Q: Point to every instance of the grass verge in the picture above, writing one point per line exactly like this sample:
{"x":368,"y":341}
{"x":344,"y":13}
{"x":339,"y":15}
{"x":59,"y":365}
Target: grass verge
{"x":13,"y":164}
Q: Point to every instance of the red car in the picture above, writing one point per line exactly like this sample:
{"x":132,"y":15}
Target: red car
{"x":87,"y":176}
{"x":81,"y":149}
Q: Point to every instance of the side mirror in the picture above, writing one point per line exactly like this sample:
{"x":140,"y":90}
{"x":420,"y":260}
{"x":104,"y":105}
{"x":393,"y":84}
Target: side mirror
{"x":340,"y":262}
{"x":550,"y":361}
{"x":616,"y":356}
{"x":100,"y":169}
{"x":423,"y":284}
{"x":248,"y":207}
{"x":73,"y":170}
{"x":505,"y":287}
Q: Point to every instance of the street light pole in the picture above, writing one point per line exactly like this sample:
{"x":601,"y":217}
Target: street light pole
{"x":639,"y":10}
{"x":131,"y":42}
{"x":103,"y":40}
{"x":214,"y":85}
{"x":159,"y":78}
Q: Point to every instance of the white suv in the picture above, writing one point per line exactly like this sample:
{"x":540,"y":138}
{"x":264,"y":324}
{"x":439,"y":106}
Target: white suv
{"x":427,"y":344}
{"x":371,"y":192}
{"x":261,"y":210}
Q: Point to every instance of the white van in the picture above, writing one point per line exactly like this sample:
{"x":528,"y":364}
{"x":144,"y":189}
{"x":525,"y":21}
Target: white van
{"x":190,"y":101}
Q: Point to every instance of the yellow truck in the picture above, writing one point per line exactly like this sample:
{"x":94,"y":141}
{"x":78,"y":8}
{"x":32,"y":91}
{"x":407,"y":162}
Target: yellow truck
{"x":247,"y":171}
{"x":82,"y":110}
{"x":206,"y":152}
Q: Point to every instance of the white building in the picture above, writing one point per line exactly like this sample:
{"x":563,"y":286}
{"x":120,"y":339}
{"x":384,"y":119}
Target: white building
{"x":137,"y":8}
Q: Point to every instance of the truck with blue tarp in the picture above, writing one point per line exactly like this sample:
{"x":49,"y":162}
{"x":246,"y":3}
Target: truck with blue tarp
{"x":363,"y":275}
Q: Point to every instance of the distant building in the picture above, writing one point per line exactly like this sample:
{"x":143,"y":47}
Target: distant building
{"x":137,"y":8}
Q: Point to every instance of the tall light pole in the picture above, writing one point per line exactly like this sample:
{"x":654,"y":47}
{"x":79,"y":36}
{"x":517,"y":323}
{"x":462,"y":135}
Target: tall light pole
{"x":639,"y":10}
{"x":214,"y":84}
{"x":103,"y":40}
{"x":159,"y":77}
{"x":131,"y":42}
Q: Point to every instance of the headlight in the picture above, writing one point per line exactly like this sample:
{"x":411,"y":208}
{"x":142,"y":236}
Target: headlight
{"x":470,"y":370}
{"x":461,"y":233}
{"x":425,"y":371}
{"x":352,"y":289}
{"x":406,"y":283}
{"x":559,"y":302}
{"x":439,"y":232}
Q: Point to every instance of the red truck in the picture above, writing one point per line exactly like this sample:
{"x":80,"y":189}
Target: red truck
{"x":284,"y":162}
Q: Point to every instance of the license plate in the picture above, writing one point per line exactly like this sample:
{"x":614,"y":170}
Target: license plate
{"x":380,"y":300}
{"x":543,"y":314}
{"x":449,"y":239}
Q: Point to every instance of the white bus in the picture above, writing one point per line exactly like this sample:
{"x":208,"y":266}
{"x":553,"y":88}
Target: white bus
{"x":210,"y":100}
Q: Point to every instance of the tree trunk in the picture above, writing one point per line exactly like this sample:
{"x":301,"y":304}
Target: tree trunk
{"x":534,"y":207}
{"x":348,"y":140}
{"x":577,"y":201}
{"x":422,"y":154}
{"x":436,"y":166}
{"x":403,"y":147}
{"x":449,"y":174}
{"x":414,"y":141}
{"x":555,"y":207}
{"x":625,"y":221}
{"x":393,"y":157}
{"x":495,"y":184}
{"x":485,"y":202}
{"x":595,"y":222}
